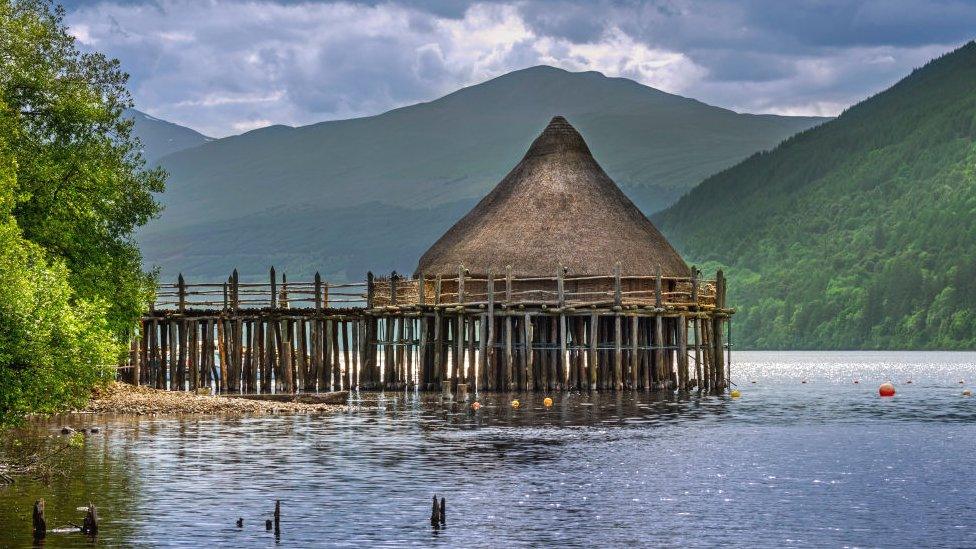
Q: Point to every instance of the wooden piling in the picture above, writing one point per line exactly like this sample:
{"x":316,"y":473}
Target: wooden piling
{"x":38,"y":521}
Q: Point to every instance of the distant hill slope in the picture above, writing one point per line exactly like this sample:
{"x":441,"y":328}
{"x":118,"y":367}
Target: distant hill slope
{"x":430,"y":155}
{"x":160,"y":137}
{"x":860,"y":233}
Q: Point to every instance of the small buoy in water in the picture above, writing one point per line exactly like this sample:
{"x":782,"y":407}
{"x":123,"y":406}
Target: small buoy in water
{"x":735,"y":393}
{"x":516,"y":403}
{"x":476,"y":406}
{"x":547,"y":402}
{"x":886,"y":389}
{"x":967,"y":392}
{"x":240,"y":522}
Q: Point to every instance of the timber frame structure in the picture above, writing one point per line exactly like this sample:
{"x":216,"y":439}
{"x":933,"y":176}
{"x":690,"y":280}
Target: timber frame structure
{"x":490,"y":332}
{"x":591,"y":297}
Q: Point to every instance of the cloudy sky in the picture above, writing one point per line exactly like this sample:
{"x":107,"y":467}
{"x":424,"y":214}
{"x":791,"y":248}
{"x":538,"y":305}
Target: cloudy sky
{"x":227,"y":66}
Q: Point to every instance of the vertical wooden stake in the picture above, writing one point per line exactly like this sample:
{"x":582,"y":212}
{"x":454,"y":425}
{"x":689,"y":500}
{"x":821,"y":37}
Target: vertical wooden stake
{"x":38,"y":520}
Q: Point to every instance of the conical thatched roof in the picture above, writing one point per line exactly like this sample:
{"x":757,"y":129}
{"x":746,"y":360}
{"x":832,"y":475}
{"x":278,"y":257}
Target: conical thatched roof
{"x":556,"y":207}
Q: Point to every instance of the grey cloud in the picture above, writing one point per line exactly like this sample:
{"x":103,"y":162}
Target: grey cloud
{"x":225,"y":66}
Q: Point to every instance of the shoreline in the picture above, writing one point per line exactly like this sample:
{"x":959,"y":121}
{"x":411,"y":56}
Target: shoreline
{"x":124,"y":399}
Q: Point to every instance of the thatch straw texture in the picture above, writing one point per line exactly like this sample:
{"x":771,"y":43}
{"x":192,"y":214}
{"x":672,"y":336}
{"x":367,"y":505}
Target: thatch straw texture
{"x":557,"y":207}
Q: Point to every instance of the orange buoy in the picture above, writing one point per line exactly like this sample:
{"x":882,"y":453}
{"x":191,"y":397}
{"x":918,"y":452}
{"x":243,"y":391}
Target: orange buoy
{"x":547,"y":402}
{"x":516,"y":403}
{"x":476,"y":406}
{"x":887,"y":389}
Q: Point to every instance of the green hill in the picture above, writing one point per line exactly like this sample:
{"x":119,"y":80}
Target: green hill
{"x":425,"y":160}
{"x":160,"y":137}
{"x":860,"y":233}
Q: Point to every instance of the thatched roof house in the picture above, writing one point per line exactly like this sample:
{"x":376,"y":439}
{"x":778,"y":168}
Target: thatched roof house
{"x":557,"y":207}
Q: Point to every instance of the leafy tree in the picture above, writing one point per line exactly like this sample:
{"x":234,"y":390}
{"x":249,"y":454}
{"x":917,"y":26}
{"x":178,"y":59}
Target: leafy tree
{"x":81,"y":183}
{"x":72,"y":189}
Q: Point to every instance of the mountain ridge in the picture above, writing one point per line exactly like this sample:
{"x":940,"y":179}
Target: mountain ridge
{"x":453,"y":149}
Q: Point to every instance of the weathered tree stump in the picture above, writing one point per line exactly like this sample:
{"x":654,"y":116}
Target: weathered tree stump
{"x":38,"y":520}
{"x":90,"y":524}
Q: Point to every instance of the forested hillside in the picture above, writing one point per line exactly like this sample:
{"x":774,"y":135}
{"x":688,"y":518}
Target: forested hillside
{"x":860,"y":233}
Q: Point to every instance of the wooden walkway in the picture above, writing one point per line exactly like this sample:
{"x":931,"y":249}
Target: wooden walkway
{"x":493,"y":332}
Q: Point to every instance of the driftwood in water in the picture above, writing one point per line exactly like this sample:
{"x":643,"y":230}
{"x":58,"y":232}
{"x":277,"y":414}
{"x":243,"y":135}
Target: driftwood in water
{"x":334,"y":397}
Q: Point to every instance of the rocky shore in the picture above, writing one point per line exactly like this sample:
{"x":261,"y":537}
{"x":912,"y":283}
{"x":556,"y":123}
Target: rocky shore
{"x":122,"y":398}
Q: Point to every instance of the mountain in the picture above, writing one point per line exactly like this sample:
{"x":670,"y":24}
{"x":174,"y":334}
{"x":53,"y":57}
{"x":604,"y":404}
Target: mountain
{"x":859,"y":233}
{"x":160,"y":137}
{"x":430,"y":160}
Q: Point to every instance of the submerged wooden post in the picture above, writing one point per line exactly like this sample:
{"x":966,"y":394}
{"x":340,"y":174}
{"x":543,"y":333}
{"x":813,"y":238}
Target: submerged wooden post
{"x":618,"y":353}
{"x":90,"y":525}
{"x":592,"y":358}
{"x":682,"y":353}
{"x":659,"y":350}
{"x":716,"y":334}
{"x":38,"y":520}
{"x":490,"y":366}
{"x":561,"y":363}
{"x":634,"y":352}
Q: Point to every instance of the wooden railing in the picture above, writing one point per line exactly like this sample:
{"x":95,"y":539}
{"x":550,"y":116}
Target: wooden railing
{"x":464,"y":289}
{"x":274,"y":294}
{"x":562,"y":290}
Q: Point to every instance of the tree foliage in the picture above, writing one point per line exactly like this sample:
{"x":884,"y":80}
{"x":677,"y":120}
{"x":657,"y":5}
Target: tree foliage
{"x":72,"y":189}
{"x":860,"y":233}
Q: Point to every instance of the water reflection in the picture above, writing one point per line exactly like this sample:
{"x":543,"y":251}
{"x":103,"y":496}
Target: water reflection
{"x":787,"y":464}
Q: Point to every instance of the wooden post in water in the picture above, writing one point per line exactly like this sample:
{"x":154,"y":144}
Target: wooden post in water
{"x":719,"y":353}
{"x":660,"y":380}
{"x":563,"y":367}
{"x":459,"y":373}
{"x":682,"y":353}
{"x":529,"y":353}
{"x":594,"y":341}
{"x":38,"y":520}
{"x":490,"y":365}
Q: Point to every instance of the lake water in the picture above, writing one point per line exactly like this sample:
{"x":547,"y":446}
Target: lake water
{"x":821,"y":463}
